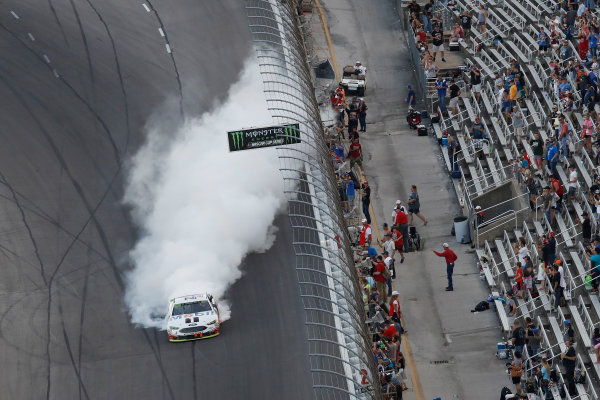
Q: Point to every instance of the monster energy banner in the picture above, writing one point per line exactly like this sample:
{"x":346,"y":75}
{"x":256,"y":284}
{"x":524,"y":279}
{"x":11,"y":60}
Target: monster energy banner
{"x":264,"y":137}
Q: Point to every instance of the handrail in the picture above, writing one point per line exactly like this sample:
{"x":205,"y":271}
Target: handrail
{"x":471,"y":144}
{"x":491,"y":173}
{"x":498,"y":217}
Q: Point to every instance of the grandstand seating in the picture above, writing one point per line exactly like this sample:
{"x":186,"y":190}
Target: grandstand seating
{"x":517,"y":23}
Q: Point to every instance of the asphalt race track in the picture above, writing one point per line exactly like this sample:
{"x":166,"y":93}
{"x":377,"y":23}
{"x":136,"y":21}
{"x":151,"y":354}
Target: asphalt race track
{"x":78,"y":81}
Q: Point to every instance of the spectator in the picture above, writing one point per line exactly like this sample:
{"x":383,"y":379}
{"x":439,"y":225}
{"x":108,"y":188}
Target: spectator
{"x":380,"y":279}
{"x":595,"y":271}
{"x":532,"y":337}
{"x":596,"y":343}
{"x":513,"y":93}
{"x":397,"y":207}
{"x":569,"y":359}
{"x":589,"y":100}
{"x":537,"y":147}
{"x":355,"y":153}
{"x":366,"y":200}
{"x":401,"y":223}
{"x":453,"y":149}
{"x":359,"y":68}
{"x":564,"y":134}
{"x":478,"y":135}
{"x":411,"y":98}
{"x":414,"y":206}
{"x":398,"y":243}
{"x":362,"y":114}
{"x":516,"y":371}
{"x":475,"y":75}
{"x":583,"y":46}
{"x":465,"y":23}
{"x":350,"y":192}
{"x":519,"y":280}
{"x":457,"y":34}
{"x":478,"y":216}
{"x":586,"y":230}
{"x":518,"y":336}
{"x":437,"y":39}
{"x":572,"y":183}
{"x":545,"y":382}
{"x":559,"y":284}
{"x":588,"y":130}
{"x":593,"y":40}
{"x":365,"y":234}
{"x":482,"y":20}
{"x":395,"y":313}
{"x":454,"y":96}
{"x":389,"y":246}
{"x":441,"y":86}
{"x":543,"y":40}
{"x":565,"y":52}
{"x":552,"y":156}
{"x":389,"y":263}
{"x":450,"y":257}
{"x":510,"y":307}
{"x":518,"y":123}
{"x":569,"y":333}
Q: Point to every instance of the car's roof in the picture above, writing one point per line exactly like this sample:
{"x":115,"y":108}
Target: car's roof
{"x":190,"y":298}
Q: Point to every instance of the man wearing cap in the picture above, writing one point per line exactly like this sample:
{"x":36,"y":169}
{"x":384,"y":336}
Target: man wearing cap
{"x":560,"y":285}
{"x":450,"y":257}
{"x":568,"y":332}
{"x":572,"y":183}
{"x":389,"y":246}
{"x":411,"y":98}
{"x":518,"y":336}
{"x":569,"y":360}
{"x":478,"y":216}
{"x":362,"y":114}
{"x":397,"y":207}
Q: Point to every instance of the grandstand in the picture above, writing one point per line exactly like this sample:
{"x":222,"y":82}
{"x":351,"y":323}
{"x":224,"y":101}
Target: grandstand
{"x":492,"y":175}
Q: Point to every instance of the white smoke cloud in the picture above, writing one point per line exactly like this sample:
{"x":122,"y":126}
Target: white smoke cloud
{"x":201,"y":209}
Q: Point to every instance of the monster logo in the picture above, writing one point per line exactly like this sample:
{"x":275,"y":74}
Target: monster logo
{"x":238,"y":139}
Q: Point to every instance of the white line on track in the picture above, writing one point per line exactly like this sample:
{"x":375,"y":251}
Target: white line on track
{"x":162,"y":33}
{"x":14,"y":14}
{"x":31,"y":37}
{"x":146,"y":7}
{"x":168,"y":47}
{"x":46,"y":58}
{"x":55,"y":73}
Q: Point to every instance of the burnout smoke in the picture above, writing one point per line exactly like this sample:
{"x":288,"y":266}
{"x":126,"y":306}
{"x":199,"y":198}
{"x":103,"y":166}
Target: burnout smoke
{"x":201,"y":209}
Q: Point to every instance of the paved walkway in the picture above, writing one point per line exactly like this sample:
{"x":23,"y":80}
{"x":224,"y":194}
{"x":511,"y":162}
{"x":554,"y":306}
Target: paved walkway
{"x":453,"y":349}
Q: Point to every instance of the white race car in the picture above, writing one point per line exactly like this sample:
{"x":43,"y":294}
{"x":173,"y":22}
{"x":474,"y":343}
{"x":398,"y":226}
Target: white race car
{"x":192,"y":317}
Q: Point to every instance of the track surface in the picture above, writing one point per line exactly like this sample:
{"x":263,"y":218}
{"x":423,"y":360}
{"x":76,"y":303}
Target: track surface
{"x":78,"y":81}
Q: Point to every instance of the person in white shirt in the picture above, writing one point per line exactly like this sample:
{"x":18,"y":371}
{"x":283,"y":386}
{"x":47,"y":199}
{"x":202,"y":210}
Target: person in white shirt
{"x":572,"y":183}
{"x":389,"y":262}
{"x":360,"y":68}
{"x":388,"y":244}
{"x":500,"y":93}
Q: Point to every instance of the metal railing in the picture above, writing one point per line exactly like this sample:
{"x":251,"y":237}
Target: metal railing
{"x":338,"y":343}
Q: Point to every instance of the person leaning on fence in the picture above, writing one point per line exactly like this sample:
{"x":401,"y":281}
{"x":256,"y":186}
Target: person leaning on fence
{"x":355,"y":153}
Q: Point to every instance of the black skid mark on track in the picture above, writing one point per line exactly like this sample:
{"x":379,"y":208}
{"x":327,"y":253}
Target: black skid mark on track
{"x":53,"y":10}
{"x":27,"y":227}
{"x":119,"y":74}
{"x":177,"y":76}
{"x":84,"y":40}
{"x":158,"y":358}
{"x":76,"y":368}
{"x":72,"y":90}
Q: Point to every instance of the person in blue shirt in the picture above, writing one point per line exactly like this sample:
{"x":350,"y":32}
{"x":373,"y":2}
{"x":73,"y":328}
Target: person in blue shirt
{"x":589,"y":99}
{"x":338,"y":150}
{"x":542,"y":42}
{"x":441,"y":85}
{"x":552,"y":157}
{"x":350,"y":191}
{"x":593,"y":43}
{"x":565,"y":52}
{"x":595,"y":272}
{"x":411,"y":98}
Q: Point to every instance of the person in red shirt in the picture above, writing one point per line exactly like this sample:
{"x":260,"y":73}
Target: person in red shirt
{"x":558,"y":189}
{"x":390,"y":331}
{"x":519,"y":279}
{"x":398,"y":243}
{"x":365,"y":234}
{"x":450,"y":257}
{"x":380,"y":280}
{"x":355,"y":153}
{"x":402,"y":224}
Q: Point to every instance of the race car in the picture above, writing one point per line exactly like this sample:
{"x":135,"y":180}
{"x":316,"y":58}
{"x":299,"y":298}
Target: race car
{"x":193,"y":317}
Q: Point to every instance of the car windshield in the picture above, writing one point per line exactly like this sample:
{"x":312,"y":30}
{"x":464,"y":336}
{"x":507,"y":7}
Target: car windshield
{"x":191,"y":308}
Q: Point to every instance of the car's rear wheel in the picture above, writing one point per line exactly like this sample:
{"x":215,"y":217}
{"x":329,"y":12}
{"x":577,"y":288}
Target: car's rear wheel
{"x":360,"y":91}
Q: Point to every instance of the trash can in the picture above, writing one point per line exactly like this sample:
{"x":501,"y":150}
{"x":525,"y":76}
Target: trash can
{"x":461,"y":229}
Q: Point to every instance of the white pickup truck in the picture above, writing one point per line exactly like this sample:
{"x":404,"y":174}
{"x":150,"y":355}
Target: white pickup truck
{"x":354,"y":79}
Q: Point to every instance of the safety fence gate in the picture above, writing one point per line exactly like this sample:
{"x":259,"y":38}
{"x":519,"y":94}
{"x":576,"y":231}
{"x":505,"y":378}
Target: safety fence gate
{"x":341,"y":363}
